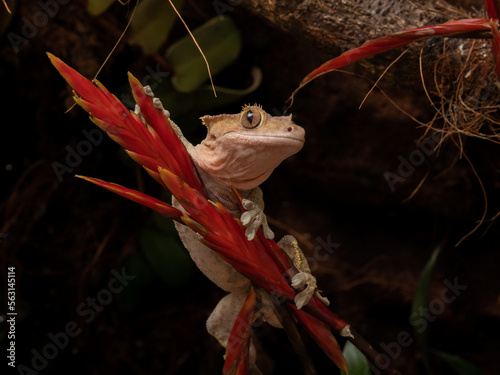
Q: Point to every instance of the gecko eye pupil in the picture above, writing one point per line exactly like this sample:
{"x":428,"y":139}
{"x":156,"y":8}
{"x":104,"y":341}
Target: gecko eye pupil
{"x":251,"y":119}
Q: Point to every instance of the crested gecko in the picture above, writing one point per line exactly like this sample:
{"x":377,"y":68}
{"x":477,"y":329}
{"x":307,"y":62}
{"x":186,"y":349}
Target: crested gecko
{"x":241,"y":151}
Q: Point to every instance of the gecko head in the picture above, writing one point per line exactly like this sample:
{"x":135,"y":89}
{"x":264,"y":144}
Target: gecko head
{"x":243,"y":149}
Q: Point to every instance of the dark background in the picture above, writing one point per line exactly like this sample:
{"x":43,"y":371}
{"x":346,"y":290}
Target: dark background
{"x":66,"y":237}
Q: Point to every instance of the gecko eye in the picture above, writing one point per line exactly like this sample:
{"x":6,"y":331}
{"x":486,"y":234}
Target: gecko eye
{"x":251,"y":119}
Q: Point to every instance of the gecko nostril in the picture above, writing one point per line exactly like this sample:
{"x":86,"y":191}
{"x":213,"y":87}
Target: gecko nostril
{"x":289,"y":129}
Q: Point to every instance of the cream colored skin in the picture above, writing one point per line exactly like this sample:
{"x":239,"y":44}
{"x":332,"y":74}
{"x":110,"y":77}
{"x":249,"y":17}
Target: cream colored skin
{"x":242,"y":150}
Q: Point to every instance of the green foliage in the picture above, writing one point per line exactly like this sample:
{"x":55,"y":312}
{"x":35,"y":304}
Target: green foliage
{"x":357,"y":363}
{"x":166,"y":256}
{"x":421,"y":302}
{"x":152,"y":23}
{"x":460,"y":365}
{"x":161,"y":259}
{"x":96,"y":7}
{"x":202,"y":100}
{"x":220,"y":41}
{"x":186,"y":90}
{"x":130,"y":296}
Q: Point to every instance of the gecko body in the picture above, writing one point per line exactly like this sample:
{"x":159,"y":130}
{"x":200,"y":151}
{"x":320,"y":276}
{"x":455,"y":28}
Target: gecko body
{"x":241,"y":151}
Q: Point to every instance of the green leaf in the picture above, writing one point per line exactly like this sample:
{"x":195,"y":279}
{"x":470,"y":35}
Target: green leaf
{"x":164,"y":224}
{"x":203,"y":100}
{"x":220,"y":41}
{"x":96,"y":7}
{"x":357,"y":363}
{"x":166,"y":256}
{"x":206,"y":101}
{"x":421,"y":304}
{"x":152,"y":23}
{"x":130,"y":297}
{"x":460,"y":365}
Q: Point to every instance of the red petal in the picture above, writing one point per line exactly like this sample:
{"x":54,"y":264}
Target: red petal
{"x":321,"y":333}
{"x":316,"y":308}
{"x":491,"y":9}
{"x":238,"y":344}
{"x":393,"y":41}
{"x":80,"y":84}
{"x":157,"y":120}
{"x":159,"y":142}
{"x":194,"y":203}
{"x":226,"y":236}
{"x":138,"y":197}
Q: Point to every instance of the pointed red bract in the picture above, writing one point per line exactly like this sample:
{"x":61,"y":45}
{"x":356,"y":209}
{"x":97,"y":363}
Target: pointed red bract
{"x":84,"y":87}
{"x":323,"y":337}
{"x":396,"y":40}
{"x":177,"y":152}
{"x":157,"y":141}
{"x":238,"y":344}
{"x":138,"y":197}
{"x":491,"y":9}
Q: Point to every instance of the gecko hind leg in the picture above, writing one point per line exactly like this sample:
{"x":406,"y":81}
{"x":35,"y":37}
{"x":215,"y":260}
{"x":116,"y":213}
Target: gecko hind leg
{"x":303,"y":279}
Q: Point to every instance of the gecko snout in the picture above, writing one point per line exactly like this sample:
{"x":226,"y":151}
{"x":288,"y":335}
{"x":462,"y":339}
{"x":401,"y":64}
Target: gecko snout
{"x":294,"y":131}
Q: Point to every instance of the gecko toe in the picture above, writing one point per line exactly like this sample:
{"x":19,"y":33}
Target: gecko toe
{"x":250,"y":233}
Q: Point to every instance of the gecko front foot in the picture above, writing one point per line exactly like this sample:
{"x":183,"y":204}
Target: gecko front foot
{"x":156,"y":102}
{"x":307,"y":280}
{"x":300,"y":280}
{"x":253,"y":219}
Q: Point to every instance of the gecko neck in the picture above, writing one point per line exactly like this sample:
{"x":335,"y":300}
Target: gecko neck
{"x":243,"y":166}
{"x":219,"y":191}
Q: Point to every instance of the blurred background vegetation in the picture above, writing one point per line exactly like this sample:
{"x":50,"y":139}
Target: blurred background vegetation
{"x":65,"y":236}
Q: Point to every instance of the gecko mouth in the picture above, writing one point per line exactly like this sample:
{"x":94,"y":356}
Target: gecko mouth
{"x":269,"y":136}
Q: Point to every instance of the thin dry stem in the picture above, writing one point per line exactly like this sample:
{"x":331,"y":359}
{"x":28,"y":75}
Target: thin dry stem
{"x":382,"y":75}
{"x":197,"y":46}
{"x":120,"y":38}
{"x":6,"y":6}
{"x":480,"y":222}
{"x":420,"y":184}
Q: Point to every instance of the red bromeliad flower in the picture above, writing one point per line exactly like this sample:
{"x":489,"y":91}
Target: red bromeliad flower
{"x":154,"y":145}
